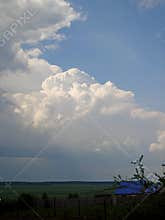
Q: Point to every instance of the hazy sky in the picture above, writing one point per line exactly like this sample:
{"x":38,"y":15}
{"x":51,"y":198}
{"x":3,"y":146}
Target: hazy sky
{"x":81,"y":88}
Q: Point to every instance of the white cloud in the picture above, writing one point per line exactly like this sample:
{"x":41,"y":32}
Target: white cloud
{"x":150,"y":3}
{"x":75,"y":115}
{"x":75,"y":96}
{"x":160,"y":145}
{"x":29,"y":79}
{"x":18,"y":27}
{"x":34,"y":53}
{"x":69,"y":95}
{"x":49,"y":16}
{"x":143,"y":114}
{"x":24,"y":67}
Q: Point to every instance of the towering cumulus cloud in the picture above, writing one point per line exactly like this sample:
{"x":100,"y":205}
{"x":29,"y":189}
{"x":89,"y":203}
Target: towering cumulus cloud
{"x":74,"y":95}
{"x":69,"y":112}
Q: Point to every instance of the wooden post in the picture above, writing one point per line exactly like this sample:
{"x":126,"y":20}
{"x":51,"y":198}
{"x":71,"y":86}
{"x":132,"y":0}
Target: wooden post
{"x":55,"y":211}
{"x":65,"y":209}
{"x":79,"y":207}
{"x":105,"y":210}
{"x":114,"y":200}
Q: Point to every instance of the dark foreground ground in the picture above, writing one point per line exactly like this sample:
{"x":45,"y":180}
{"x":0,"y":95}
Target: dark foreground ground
{"x":100,"y":207}
{"x":75,"y":200}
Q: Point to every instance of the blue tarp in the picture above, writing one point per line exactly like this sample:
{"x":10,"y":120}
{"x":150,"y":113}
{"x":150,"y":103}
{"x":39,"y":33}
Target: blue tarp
{"x":153,"y":188}
{"x":134,"y":187}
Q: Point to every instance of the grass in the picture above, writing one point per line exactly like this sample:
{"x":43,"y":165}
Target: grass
{"x":54,"y":189}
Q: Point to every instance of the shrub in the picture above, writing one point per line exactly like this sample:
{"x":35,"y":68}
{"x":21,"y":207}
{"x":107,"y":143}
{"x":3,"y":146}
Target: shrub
{"x":26,"y":201}
{"x":73,"y":196}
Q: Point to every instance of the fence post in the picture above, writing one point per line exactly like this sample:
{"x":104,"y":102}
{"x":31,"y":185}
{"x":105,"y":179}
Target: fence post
{"x":79,"y":207}
{"x":114,"y":200}
{"x":55,"y":211}
{"x":105,"y":210}
{"x":65,"y":207}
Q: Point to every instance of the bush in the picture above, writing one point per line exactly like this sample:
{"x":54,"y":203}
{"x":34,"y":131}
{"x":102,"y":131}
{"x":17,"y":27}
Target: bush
{"x":73,"y":196}
{"x":25,"y":201}
{"x":45,"y":199}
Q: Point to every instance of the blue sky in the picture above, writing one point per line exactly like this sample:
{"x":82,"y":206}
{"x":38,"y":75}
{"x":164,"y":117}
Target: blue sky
{"x":120,"y":42}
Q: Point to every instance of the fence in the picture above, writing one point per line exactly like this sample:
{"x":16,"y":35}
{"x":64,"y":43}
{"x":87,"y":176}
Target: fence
{"x":97,"y":208}
{"x":77,"y":208}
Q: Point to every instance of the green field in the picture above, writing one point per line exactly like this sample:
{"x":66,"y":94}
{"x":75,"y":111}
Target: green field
{"x":12,"y":191}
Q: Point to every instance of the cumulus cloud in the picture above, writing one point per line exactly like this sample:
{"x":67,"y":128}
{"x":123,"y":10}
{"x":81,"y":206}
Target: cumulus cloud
{"x":32,"y":22}
{"x":31,"y":78}
{"x":40,"y":19}
{"x":75,"y":96}
{"x":70,"y":95}
{"x":75,"y":115}
{"x":160,"y":145}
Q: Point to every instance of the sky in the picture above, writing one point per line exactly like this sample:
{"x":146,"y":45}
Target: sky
{"x":119,"y":42}
{"x":81,"y":88}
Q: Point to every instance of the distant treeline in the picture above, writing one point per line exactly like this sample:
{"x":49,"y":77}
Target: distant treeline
{"x":57,"y":182}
